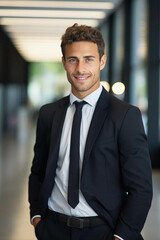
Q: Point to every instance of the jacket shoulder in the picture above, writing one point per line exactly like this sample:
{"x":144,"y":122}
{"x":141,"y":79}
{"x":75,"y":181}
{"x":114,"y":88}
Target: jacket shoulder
{"x":119,"y":109}
{"x":47,"y":111}
{"x":51,"y":107}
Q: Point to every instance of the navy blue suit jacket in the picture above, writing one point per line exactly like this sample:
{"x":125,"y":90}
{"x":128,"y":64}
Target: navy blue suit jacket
{"x":116,"y":175}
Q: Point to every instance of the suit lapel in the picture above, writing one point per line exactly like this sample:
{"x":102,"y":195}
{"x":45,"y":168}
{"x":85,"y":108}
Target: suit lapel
{"x":57,"y":125}
{"x":98,"y":119}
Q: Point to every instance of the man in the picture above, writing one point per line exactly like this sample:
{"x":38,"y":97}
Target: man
{"x":113,"y":180}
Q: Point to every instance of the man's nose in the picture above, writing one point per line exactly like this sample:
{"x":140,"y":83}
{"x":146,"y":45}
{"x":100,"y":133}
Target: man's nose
{"x":80,"y":67}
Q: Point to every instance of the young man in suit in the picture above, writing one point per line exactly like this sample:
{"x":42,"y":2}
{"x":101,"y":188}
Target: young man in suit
{"x":108,"y":193}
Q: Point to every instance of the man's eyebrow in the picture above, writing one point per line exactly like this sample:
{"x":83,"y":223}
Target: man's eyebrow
{"x":71,"y":57}
{"x":88,"y":56}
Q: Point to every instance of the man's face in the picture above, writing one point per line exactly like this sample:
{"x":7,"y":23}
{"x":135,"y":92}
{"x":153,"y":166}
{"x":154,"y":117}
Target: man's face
{"x":83,"y":66}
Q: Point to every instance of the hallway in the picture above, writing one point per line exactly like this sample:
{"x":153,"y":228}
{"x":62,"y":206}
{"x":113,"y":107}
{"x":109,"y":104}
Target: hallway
{"x":15,"y":162}
{"x":16,"y":157}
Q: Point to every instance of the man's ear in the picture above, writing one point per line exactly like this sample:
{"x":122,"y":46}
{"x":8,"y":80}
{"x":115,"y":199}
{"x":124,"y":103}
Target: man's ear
{"x":64,"y":63}
{"x":103,"y":61}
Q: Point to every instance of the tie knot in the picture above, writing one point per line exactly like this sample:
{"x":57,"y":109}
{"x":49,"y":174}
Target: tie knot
{"x":79,"y":105}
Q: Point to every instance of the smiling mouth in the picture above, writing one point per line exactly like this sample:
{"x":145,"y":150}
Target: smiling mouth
{"x":81,"y":78}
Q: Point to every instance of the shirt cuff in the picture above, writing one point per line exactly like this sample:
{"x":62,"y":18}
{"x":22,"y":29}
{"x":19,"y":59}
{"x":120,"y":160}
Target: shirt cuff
{"x":118,"y":237}
{"x":34,"y":218}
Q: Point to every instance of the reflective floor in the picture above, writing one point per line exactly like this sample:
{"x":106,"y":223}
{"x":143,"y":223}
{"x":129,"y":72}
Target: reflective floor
{"x":15,"y":162}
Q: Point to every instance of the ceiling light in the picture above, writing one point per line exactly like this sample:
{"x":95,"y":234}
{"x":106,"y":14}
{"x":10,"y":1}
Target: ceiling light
{"x":58,"y":4}
{"x":51,"y":13}
{"x":39,"y":51}
{"x":43,"y":22}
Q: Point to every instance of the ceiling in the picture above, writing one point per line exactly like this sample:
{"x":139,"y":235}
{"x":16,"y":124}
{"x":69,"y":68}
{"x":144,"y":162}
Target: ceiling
{"x":35,"y":27}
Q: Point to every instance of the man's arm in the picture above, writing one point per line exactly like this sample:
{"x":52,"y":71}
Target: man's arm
{"x":38,"y":165}
{"x":136,"y":175}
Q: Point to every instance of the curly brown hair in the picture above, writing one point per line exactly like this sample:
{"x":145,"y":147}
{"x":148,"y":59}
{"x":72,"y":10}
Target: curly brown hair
{"x":78,"y":33}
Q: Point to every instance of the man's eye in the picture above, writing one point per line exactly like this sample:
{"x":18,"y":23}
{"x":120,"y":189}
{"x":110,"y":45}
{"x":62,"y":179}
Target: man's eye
{"x":89,"y":59}
{"x":72,"y":60}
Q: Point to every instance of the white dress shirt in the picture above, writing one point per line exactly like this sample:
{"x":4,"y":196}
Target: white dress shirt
{"x":58,"y":199}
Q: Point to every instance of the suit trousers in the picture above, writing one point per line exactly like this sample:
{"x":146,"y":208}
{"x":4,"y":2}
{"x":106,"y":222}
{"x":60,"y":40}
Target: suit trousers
{"x":51,"y":229}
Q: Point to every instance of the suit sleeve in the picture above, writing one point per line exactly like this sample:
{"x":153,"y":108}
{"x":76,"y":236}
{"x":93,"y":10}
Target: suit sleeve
{"x":38,"y":165}
{"x":136,"y":175}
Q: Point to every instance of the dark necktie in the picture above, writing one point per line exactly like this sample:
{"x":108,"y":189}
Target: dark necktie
{"x":73,"y":182}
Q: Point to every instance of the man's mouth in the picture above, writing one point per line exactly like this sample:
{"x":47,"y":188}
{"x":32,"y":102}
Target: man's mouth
{"x":81,"y":78}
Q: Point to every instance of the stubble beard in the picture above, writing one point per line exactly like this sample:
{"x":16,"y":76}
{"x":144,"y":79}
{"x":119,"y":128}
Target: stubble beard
{"x":80,"y":88}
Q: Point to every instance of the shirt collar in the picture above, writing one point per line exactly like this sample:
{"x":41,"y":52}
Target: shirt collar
{"x":91,"y":99}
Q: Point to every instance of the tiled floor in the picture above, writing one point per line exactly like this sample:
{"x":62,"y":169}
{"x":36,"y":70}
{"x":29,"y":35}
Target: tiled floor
{"x":15,"y":162}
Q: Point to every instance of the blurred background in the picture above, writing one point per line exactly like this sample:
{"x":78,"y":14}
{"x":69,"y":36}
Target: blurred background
{"x":31,"y":74}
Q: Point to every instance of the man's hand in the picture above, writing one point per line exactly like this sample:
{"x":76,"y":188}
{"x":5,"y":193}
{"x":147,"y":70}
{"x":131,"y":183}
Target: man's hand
{"x":115,"y":238}
{"x":36,"y":221}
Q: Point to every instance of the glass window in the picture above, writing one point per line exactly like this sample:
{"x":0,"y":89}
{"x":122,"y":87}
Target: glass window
{"x":1,"y":109}
{"x":159,"y":108}
{"x":139,"y":32}
{"x":139,"y":51}
{"x":118,"y":46}
{"x":47,"y":83}
{"x":139,"y":92}
{"x":105,"y":32}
